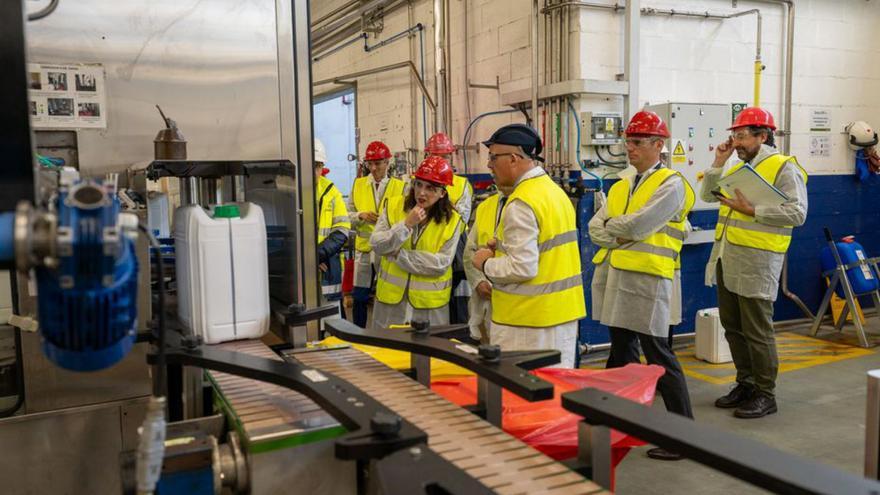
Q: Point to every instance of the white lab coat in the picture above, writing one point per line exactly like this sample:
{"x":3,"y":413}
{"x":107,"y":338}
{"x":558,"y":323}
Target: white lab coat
{"x":521,"y":244}
{"x":386,"y":241}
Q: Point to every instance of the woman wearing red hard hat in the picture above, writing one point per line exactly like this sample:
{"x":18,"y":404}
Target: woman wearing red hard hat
{"x":416,"y":237}
{"x":367,"y":196}
{"x":461,"y":195}
{"x":750,"y":244}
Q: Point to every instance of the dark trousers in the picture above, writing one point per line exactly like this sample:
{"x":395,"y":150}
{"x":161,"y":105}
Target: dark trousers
{"x":672,"y":385}
{"x":748,"y":328}
{"x":361,"y":299}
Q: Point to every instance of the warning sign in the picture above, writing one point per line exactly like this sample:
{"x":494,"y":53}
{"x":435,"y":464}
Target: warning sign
{"x":679,"y":157}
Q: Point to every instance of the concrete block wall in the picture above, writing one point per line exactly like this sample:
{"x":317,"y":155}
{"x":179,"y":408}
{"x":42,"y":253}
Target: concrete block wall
{"x":682,"y":59}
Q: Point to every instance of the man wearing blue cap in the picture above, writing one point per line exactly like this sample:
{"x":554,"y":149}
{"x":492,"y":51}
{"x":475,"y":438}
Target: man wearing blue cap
{"x":533,"y":262}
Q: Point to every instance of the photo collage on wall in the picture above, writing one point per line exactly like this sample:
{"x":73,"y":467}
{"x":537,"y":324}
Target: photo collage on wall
{"x":67,"y":96}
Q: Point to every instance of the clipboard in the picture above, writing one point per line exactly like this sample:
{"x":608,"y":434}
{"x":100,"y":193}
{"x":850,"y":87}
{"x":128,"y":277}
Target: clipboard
{"x":757,"y":190}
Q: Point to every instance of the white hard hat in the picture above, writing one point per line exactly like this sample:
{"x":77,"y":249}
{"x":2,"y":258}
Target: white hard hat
{"x":320,"y":152}
{"x":861,"y":135}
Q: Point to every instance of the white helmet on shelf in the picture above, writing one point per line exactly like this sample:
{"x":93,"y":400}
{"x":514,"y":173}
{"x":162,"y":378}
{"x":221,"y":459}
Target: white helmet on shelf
{"x":861,"y":135}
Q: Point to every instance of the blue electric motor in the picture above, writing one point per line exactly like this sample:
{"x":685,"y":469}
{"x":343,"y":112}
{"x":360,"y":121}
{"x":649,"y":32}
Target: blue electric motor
{"x":862,"y":278}
{"x":83,"y":254}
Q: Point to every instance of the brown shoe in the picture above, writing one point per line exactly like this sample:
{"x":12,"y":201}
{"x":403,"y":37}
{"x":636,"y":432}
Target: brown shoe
{"x":662,"y":454}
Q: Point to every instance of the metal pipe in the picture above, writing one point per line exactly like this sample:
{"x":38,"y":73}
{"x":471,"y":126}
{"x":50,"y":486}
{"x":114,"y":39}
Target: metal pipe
{"x":324,"y":54}
{"x":789,"y":75}
{"x":413,"y":94}
{"x":632,"y":45}
{"x":406,"y":32}
{"x":384,"y":68}
{"x":534,"y":36}
{"x":759,"y":66}
{"x":440,"y":116}
{"x":320,"y":33}
{"x":791,"y":295}
{"x":334,"y":13}
{"x":605,"y":346}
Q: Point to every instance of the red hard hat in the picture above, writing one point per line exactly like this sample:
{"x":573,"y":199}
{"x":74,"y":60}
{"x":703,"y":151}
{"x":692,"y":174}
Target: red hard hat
{"x":435,"y":169}
{"x":753,"y":117}
{"x":439,"y":144}
{"x":377,"y":151}
{"x":646,"y":123}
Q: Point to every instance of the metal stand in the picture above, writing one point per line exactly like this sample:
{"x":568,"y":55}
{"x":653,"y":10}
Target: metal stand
{"x":872,"y":426}
{"x":594,"y":450}
{"x":838,"y":276}
{"x":745,"y":459}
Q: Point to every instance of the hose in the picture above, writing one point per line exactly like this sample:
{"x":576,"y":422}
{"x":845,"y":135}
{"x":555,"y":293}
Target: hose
{"x":35,"y":16}
{"x":577,"y":126}
{"x":467,"y":131}
{"x":609,"y":163}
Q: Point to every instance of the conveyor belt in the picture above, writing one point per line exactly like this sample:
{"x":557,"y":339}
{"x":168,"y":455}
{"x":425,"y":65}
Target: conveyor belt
{"x":495,"y":458}
{"x":269,"y":416}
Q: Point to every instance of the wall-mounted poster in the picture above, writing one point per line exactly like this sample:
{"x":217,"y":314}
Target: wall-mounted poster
{"x":67,"y":96}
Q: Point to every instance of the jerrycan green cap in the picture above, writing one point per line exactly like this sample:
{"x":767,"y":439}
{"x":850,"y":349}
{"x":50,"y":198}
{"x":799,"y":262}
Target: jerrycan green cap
{"x":226,"y":211}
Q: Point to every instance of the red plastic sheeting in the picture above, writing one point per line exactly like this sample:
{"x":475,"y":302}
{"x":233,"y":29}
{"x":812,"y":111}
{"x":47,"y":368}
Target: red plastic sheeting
{"x":545,"y":425}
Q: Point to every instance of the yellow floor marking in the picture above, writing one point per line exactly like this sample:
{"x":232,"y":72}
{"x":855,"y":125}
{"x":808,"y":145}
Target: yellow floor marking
{"x":795,"y":352}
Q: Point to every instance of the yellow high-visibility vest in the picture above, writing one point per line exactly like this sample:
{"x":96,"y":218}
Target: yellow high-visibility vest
{"x":364,"y":199}
{"x":332,"y":214}
{"x":424,"y":292}
{"x":744,"y":230}
{"x":555,"y":295}
{"x":486,"y":218}
{"x":457,"y":189}
{"x":658,"y":253}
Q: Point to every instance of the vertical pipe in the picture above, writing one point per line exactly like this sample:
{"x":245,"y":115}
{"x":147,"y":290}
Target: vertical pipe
{"x":872,"y":426}
{"x":631,"y":56}
{"x":534,"y":40}
{"x":413,"y":96}
{"x":789,"y":74}
{"x":422,"y":74}
{"x":440,"y":117}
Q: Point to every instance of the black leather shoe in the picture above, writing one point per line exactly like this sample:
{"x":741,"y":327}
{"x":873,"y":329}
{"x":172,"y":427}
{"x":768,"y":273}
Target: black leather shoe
{"x":737,"y":397}
{"x":664,"y":455}
{"x":760,"y":406}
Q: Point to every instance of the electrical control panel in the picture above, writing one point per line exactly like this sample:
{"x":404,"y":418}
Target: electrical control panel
{"x":601,"y":128}
{"x":696,"y":129}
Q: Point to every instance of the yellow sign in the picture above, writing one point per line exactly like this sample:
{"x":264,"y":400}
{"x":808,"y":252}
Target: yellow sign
{"x":678,"y":154}
{"x":679,"y":149}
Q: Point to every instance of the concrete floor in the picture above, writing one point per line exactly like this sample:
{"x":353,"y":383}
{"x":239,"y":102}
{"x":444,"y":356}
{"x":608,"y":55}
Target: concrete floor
{"x":821,"y":416}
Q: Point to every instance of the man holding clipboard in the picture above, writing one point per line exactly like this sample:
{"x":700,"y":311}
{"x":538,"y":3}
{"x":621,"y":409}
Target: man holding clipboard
{"x":751,"y":238}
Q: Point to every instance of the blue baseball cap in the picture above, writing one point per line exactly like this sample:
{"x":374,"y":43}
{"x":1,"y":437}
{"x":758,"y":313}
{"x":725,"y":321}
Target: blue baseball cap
{"x":520,"y":135}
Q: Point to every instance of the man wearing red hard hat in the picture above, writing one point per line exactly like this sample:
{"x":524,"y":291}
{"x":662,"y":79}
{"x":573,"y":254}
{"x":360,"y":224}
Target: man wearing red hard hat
{"x":640,"y":230}
{"x":416,"y":236}
{"x":367,"y":196}
{"x":750,"y":244}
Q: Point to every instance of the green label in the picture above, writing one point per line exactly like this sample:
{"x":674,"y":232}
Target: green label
{"x":736,"y":109}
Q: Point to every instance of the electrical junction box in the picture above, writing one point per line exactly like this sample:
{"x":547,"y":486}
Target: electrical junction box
{"x":601,"y":128}
{"x":696,"y":129}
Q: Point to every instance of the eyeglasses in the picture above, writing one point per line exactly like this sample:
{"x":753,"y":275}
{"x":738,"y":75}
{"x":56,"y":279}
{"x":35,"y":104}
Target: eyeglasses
{"x":636,"y":142}
{"x":427,"y":186}
{"x":741,"y":135}
{"x":493,"y":157}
